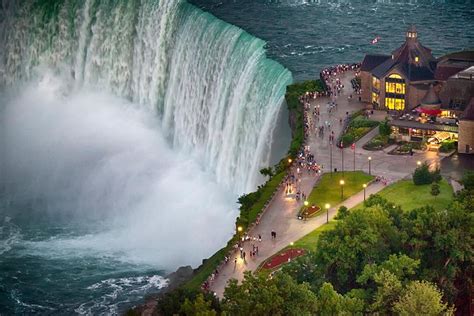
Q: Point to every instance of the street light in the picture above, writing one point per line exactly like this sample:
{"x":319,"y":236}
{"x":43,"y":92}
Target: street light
{"x":327,"y":206}
{"x":306,"y":203}
{"x":289,"y":160}
{"x":342,"y":182}
{"x":370,"y":159}
{"x":418,"y":163}
{"x":365,"y":187}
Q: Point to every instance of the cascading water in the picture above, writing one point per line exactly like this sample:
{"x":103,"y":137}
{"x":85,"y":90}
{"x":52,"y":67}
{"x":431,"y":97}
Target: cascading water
{"x":127,"y":130}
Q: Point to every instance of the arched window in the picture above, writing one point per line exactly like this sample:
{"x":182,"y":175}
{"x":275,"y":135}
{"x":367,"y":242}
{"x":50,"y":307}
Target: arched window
{"x":395,"y":92}
{"x":395,"y":76}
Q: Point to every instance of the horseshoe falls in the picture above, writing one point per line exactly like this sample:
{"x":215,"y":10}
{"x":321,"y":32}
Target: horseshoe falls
{"x":127,"y":131}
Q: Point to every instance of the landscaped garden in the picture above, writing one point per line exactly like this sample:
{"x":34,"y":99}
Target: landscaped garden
{"x":448,"y":146}
{"x":357,"y":128}
{"x":328,"y":189}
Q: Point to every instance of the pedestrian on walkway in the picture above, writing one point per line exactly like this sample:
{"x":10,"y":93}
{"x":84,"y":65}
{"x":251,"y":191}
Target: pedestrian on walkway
{"x":235,"y":263}
{"x":244,"y":256}
{"x":259,"y":237}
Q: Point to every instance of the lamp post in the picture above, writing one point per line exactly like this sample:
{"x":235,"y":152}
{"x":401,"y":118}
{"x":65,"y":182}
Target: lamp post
{"x":365,"y":187}
{"x":370,"y":159}
{"x":342,"y":182}
{"x":330,"y":157}
{"x":418,"y":163}
{"x":305,"y":213}
{"x":342,"y":158}
{"x":327,"y":206}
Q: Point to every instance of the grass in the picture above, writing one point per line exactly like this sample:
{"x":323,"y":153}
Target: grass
{"x":310,"y":241}
{"x":410,"y":196}
{"x":328,"y":189}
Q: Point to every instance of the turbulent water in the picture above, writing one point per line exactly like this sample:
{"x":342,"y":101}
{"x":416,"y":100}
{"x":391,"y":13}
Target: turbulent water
{"x":128,"y":129}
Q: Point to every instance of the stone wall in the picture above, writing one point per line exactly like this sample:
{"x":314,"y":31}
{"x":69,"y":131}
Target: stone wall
{"x":466,"y":136}
{"x":366,"y":86}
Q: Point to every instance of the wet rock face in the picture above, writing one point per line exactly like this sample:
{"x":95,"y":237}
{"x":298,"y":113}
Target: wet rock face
{"x":180,"y":276}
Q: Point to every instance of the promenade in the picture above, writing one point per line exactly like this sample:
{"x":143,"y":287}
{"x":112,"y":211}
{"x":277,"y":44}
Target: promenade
{"x":281,"y":214}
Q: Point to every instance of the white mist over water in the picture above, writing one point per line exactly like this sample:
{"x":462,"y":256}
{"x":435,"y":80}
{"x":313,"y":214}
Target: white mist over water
{"x":94,"y":157}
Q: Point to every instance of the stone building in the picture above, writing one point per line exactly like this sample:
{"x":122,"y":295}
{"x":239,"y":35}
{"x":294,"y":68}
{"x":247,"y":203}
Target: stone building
{"x":466,"y":130}
{"x":401,"y":80}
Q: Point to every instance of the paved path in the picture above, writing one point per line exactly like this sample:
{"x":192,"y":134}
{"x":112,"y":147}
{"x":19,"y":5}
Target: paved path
{"x":281,"y":213}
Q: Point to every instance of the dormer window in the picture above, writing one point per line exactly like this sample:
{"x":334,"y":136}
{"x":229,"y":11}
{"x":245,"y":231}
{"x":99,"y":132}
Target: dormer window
{"x":417,"y":59}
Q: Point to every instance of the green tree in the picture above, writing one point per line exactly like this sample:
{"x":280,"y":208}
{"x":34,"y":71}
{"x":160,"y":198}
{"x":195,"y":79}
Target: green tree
{"x":329,"y":301}
{"x":435,"y":189}
{"x":342,"y":212}
{"x":384,"y":128}
{"x":268,"y":172}
{"x":468,"y":180}
{"x":422,"y":175}
{"x":260,"y":295}
{"x":365,"y":236}
{"x":198,"y":307}
{"x":421,"y":298}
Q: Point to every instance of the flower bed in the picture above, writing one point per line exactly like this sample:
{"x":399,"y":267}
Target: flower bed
{"x":309,"y":211}
{"x":379,"y":142}
{"x":283,"y":257}
{"x":357,"y":128}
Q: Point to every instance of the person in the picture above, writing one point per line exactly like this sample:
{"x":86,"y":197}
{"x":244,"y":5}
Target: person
{"x":235,"y":262}
{"x":244,"y":256}
{"x":259,"y":237}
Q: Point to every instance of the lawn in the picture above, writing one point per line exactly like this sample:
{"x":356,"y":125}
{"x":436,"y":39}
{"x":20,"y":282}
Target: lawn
{"x":410,"y":196}
{"x":328,"y":189}
{"x":310,"y":241}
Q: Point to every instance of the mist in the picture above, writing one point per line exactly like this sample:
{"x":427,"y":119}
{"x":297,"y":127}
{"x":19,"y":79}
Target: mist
{"x":95,"y":160}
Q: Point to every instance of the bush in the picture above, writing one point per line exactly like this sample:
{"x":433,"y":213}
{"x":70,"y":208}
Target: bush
{"x":447,"y":146}
{"x":384,"y":128}
{"x":422,"y":175}
{"x":468,"y":180}
{"x":347,"y":139}
{"x":342,"y":212}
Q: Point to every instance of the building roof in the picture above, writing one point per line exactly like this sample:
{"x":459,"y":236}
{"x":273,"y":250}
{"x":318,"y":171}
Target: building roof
{"x":443,"y":72}
{"x":431,"y":98}
{"x":466,"y":55}
{"x":468,"y":113}
{"x":425,"y":126}
{"x":412,"y":59}
{"x":372,"y":61}
{"x":465,"y":74}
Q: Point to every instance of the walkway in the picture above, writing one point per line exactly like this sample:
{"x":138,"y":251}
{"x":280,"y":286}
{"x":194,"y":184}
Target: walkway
{"x":281,"y":214}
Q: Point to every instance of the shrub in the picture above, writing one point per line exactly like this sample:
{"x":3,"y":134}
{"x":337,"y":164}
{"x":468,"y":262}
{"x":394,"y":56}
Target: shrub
{"x":468,"y":180}
{"x":422,"y":175}
{"x":435,"y":189}
{"x":342,"y":212}
{"x":447,"y":146}
{"x":347,"y":139}
{"x":384,"y":128}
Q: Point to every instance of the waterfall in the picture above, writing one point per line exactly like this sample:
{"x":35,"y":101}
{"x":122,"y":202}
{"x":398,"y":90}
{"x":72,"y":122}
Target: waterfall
{"x":216,"y":94}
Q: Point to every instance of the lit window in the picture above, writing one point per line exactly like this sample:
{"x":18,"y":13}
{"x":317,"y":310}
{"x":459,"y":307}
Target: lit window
{"x":395,"y":104}
{"x":417,"y":59}
{"x":375,"y":83}
{"x":375,"y":98}
{"x":395,"y":76}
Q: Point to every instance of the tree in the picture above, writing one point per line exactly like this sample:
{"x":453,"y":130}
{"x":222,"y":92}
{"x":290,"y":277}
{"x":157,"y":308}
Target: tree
{"x":435,"y":189}
{"x":260,"y":295}
{"x":267,"y":172}
{"x":329,"y":301}
{"x":342,"y":212}
{"x":421,"y":298}
{"x":199,"y":307}
{"x":384,"y":128}
{"x":422,"y":175}
{"x":468,"y":180}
